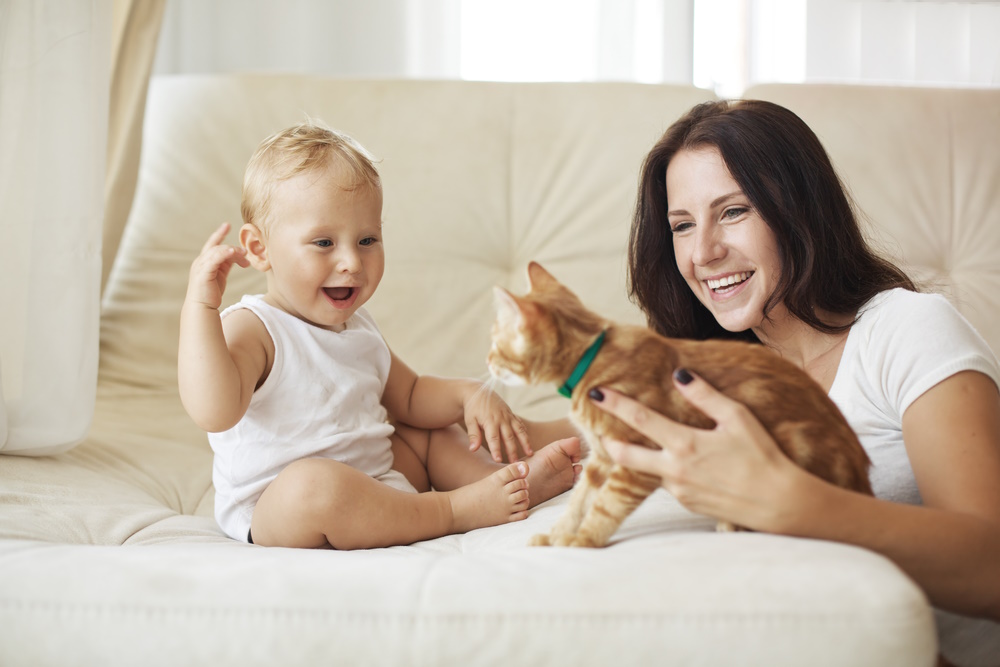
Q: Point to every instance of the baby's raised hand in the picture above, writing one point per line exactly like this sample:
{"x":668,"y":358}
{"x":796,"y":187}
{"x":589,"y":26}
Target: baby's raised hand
{"x":207,"y":280}
{"x":486,"y":414}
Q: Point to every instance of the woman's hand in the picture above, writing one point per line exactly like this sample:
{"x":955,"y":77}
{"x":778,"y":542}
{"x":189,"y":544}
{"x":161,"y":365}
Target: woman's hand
{"x":734,"y":472}
{"x":486,"y":414}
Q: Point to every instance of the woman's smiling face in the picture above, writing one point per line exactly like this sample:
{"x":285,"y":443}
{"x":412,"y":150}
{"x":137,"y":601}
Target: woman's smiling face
{"x":724,"y":250}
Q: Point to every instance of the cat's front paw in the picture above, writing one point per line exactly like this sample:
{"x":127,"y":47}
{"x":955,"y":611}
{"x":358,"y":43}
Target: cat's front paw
{"x":729,"y":527}
{"x":540,"y":540}
{"x":583,"y":542}
{"x":573,"y":540}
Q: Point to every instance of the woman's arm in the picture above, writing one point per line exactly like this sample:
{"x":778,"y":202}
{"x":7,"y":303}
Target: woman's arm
{"x":736,"y":472}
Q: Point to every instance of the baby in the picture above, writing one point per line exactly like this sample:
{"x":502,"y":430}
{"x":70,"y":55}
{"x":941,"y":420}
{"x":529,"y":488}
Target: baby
{"x":294,"y":385}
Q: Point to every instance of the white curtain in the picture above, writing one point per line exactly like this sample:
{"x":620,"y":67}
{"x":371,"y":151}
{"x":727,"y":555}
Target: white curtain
{"x":738,"y":43}
{"x":725,"y":45}
{"x":54,"y":85}
{"x":373,"y":38}
{"x":908,"y":43}
{"x":562,"y":40}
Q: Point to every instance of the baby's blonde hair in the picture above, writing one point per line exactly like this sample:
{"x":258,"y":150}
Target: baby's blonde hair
{"x":303,"y":147}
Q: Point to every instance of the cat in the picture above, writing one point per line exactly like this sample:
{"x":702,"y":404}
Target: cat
{"x":542,"y":336}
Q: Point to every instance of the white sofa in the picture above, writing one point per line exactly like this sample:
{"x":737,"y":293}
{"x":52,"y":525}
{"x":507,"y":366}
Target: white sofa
{"x":109,"y":554}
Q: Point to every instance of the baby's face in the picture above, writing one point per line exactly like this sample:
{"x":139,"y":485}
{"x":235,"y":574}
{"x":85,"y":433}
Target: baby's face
{"x":324,"y":247}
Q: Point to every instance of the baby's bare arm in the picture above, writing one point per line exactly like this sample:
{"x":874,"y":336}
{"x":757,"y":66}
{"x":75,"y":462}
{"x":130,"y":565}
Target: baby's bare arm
{"x":216,"y":376}
{"x":427,"y":401}
{"x":424,"y":401}
{"x":218,"y":366}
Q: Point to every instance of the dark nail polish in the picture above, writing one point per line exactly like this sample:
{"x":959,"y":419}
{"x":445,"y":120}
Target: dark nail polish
{"x":682,"y":376}
{"x":596,"y":394}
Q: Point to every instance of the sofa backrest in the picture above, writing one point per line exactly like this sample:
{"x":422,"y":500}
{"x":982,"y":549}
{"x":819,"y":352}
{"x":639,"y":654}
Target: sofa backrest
{"x":481,"y":178}
{"x":923,"y":165}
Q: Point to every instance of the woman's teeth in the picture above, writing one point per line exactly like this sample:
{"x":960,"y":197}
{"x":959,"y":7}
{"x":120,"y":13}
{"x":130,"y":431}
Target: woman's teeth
{"x":734,"y":279}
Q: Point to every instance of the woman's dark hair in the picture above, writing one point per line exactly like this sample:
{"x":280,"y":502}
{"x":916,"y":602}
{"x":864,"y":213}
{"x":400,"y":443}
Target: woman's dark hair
{"x":783,"y":170}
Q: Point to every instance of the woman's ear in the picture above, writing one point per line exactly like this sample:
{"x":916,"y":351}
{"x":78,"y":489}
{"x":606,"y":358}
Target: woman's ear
{"x":253,"y":240}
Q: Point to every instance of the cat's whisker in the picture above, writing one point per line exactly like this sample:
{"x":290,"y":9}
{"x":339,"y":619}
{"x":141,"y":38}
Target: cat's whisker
{"x":488,"y":383}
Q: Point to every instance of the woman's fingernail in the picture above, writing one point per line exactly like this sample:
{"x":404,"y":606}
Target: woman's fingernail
{"x":596,"y":394}
{"x":682,"y":376}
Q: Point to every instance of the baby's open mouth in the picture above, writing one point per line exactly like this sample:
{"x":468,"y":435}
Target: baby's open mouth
{"x":725,"y":284}
{"x":339,"y":293}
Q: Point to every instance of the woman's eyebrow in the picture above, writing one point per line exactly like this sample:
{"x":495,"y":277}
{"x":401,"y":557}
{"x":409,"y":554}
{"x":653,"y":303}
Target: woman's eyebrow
{"x":724,"y":198}
{"x":715,"y":202}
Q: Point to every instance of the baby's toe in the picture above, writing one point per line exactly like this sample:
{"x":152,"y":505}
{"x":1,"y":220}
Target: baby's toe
{"x":519,"y":499}
{"x":515,"y":472}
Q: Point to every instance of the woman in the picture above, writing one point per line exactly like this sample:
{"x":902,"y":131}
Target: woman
{"x":743,"y":229}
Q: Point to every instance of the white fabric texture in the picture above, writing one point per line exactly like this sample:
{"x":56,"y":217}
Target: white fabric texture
{"x":135,"y":26}
{"x":54,"y":83}
{"x":322,"y":398}
{"x":903,"y":344}
{"x":3,"y":411}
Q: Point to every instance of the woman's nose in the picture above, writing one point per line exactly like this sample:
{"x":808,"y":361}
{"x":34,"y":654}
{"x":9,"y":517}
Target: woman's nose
{"x":708,"y":245}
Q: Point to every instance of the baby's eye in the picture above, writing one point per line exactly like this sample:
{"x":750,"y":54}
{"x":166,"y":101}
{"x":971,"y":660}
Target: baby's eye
{"x":370,"y":240}
{"x":322,"y":243}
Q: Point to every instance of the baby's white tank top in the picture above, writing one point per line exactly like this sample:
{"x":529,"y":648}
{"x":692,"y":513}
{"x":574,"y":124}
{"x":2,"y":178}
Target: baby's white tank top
{"x":322,"y":398}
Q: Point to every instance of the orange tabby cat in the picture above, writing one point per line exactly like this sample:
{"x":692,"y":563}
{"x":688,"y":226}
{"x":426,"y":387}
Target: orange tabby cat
{"x":549,"y":336}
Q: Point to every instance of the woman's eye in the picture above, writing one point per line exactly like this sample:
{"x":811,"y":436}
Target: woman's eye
{"x":681,"y":227}
{"x":733,"y":213}
{"x":323,"y":243}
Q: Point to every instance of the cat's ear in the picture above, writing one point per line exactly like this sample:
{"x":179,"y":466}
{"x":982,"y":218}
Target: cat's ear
{"x":511,"y":311}
{"x":506,"y":306}
{"x":537,"y":276}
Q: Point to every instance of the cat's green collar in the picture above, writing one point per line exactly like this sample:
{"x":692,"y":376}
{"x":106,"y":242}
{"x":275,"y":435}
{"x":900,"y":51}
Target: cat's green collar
{"x":582,"y":366}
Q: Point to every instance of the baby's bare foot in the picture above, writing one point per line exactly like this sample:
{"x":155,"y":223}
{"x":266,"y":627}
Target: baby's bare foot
{"x":500,"y":498}
{"x":553,"y":469}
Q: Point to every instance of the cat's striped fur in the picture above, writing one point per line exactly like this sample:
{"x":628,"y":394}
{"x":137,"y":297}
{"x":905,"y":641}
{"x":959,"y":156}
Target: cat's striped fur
{"x":540,"y":337}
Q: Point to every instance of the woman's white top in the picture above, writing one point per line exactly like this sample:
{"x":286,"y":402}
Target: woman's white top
{"x":903,"y":344}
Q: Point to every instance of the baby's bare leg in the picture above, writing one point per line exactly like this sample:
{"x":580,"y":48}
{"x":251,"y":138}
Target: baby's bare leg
{"x":411,"y":459}
{"x":542,"y":433}
{"x":320,"y":502}
{"x":443,"y":455}
{"x":441,"y":459}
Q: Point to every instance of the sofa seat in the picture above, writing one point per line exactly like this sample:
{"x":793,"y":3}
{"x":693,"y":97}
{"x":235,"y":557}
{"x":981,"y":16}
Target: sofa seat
{"x":103,"y":563}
